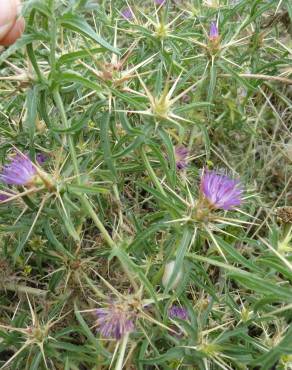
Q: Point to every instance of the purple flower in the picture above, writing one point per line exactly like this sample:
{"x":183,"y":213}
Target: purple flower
{"x":159,"y":2}
{"x":181,"y":153}
{"x":127,"y":14}
{"x":177,"y":312}
{"x":115,"y":321}
{"x":41,"y":158}
{"x":214,"y":33}
{"x":220,"y":190}
{"x":20,"y":171}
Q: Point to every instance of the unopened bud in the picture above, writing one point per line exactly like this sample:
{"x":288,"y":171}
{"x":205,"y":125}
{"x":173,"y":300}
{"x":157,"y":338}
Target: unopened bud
{"x":167,"y":276}
{"x":214,"y":32}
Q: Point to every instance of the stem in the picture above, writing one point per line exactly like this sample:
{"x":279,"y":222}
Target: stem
{"x":60,"y":106}
{"x":86,"y":204}
{"x":84,"y":201}
{"x":93,"y":287}
{"x":53,"y":37}
{"x":30,"y":51}
{"x":218,"y":264}
{"x":24,"y":289}
{"x":284,"y":80}
{"x":119,"y":364}
{"x":151,"y":172}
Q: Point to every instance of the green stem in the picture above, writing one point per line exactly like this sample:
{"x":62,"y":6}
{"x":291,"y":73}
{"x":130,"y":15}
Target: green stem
{"x":60,"y":106}
{"x":86,"y":204}
{"x":84,"y":201}
{"x":151,"y":172}
{"x":93,"y":287}
{"x":30,"y":51}
{"x":24,"y":289}
{"x":218,"y":264}
{"x":53,"y":26}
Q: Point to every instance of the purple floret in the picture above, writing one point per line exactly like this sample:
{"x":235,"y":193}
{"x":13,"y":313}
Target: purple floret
{"x":159,"y":2}
{"x":214,"y":33}
{"x":178,"y":312}
{"x":41,"y":158}
{"x":20,"y":171}
{"x":181,"y":154}
{"x":127,"y":13}
{"x":221,"y":191}
{"x":114,"y":321}
{"x":3,"y":197}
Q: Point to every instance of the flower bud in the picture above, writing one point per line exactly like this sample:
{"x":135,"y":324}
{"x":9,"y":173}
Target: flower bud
{"x":214,"y":32}
{"x":167,"y":276}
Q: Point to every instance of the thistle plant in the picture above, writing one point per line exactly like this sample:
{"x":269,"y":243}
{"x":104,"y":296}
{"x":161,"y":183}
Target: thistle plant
{"x":145,"y":186}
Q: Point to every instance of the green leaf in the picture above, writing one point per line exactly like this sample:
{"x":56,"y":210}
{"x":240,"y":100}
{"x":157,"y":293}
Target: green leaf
{"x":31,"y":106}
{"x":84,"y":326}
{"x":170,"y":155}
{"x":83,"y":189}
{"x":273,"y":355}
{"x":129,"y":264}
{"x":235,"y":256}
{"x":78,"y":24}
{"x":105,"y":143}
{"x":20,"y":43}
{"x":171,"y":354}
{"x":53,"y":239}
{"x":192,"y":106}
{"x":212,"y":83}
{"x":76,"y":55}
{"x":143,"y":237}
{"x":76,"y":77}
{"x":38,"y":5}
{"x":67,"y":220}
{"x":263,"y":287}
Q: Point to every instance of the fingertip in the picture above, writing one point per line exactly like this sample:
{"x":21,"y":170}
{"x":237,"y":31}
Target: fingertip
{"x":8,"y":11}
{"x":14,"y":33}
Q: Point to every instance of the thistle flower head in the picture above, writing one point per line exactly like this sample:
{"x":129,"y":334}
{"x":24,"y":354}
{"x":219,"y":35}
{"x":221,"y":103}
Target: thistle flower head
{"x":221,"y":191}
{"x":214,"y":33}
{"x":178,"y":312}
{"x":127,"y":14}
{"x":161,"y":106}
{"x":161,"y":30}
{"x":115,"y":321}
{"x":20,"y":171}
{"x":181,"y":154}
{"x":284,"y":214}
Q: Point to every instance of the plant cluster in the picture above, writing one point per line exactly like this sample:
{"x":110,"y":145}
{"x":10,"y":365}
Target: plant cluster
{"x":145,"y":186}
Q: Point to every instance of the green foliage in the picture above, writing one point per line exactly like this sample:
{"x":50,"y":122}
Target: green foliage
{"x":108,"y":100}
